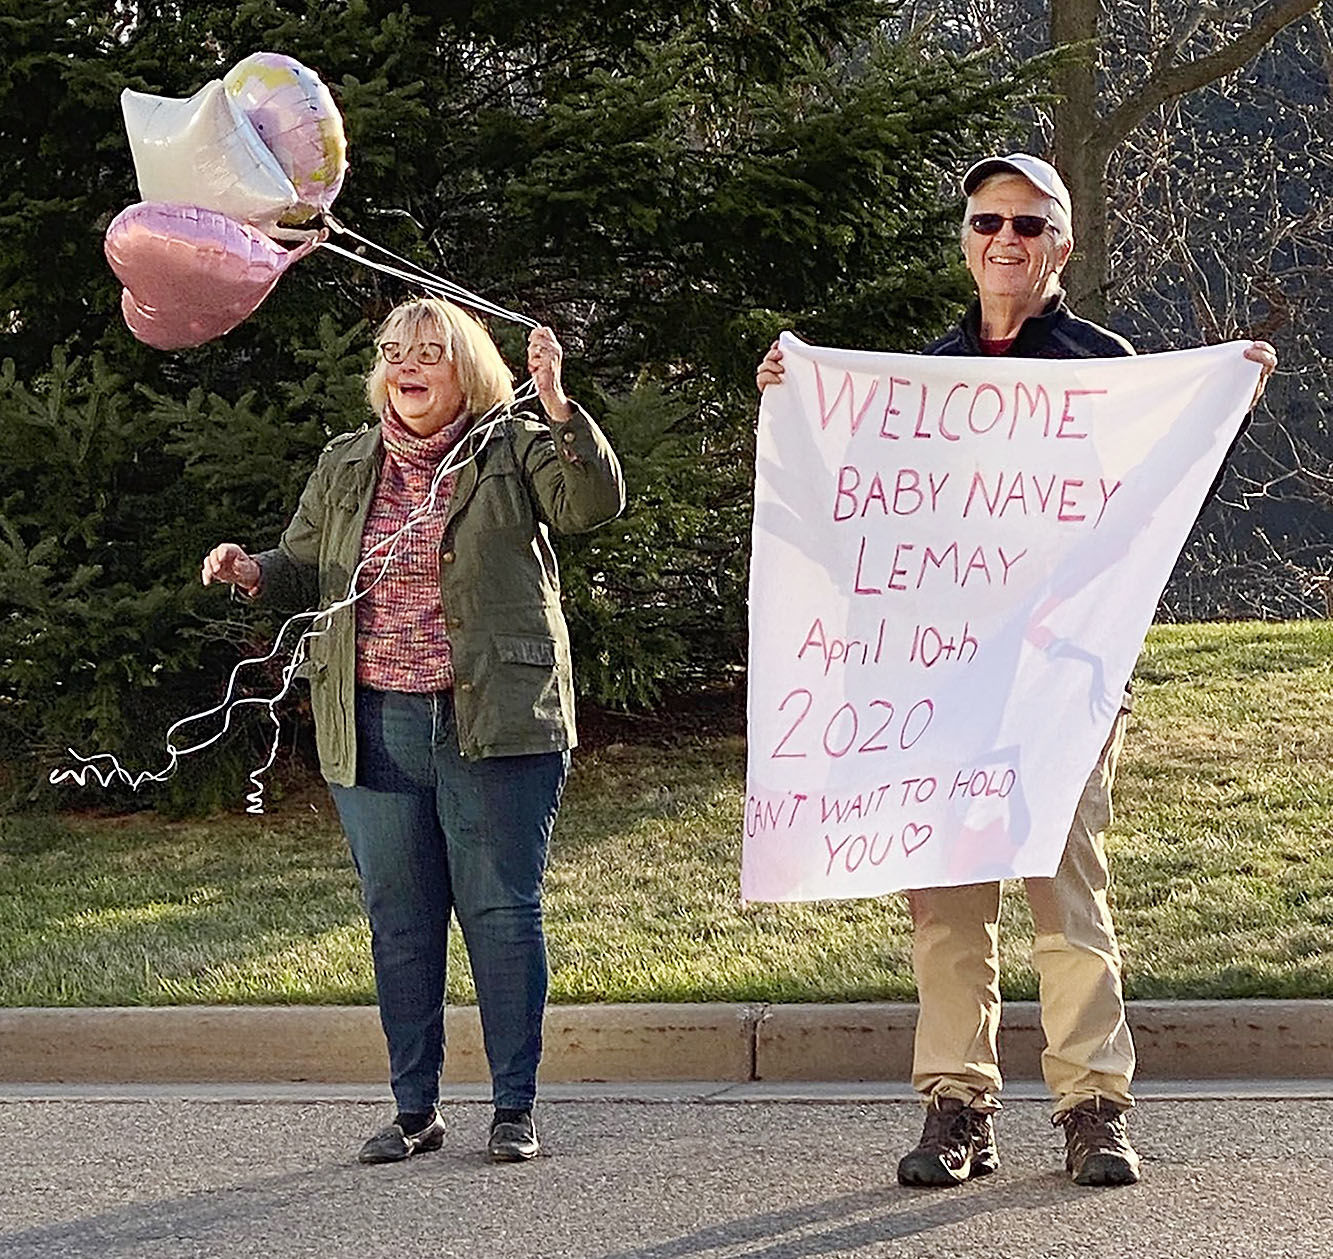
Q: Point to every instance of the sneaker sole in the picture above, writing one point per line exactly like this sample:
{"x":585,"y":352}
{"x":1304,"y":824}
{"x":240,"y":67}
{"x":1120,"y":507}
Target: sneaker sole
{"x":1103,"y":1170}
{"x":428,"y":1146}
{"x":939,"y":1177}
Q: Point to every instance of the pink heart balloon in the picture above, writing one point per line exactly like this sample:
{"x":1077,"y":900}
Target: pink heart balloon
{"x":191,"y":274}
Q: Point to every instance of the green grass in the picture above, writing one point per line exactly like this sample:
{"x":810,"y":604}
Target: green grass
{"x":1224,"y":862}
{"x":1221,"y":856}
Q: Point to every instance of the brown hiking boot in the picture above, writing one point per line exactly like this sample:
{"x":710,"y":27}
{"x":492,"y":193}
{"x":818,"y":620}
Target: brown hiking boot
{"x":956,"y":1144}
{"x":1097,"y":1149}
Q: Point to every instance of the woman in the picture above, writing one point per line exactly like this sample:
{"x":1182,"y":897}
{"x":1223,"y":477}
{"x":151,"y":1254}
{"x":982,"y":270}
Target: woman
{"x":443,"y":697}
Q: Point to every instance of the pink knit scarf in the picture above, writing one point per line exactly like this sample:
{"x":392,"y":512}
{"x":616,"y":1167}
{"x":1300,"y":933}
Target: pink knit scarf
{"x":402,"y":639}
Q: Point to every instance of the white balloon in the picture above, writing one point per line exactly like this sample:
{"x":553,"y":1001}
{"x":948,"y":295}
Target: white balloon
{"x":205,"y":152}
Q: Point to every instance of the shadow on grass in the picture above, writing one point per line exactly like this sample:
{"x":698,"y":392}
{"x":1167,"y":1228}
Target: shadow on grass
{"x":613,"y":790}
{"x":1181,"y":653}
{"x":152,"y":914}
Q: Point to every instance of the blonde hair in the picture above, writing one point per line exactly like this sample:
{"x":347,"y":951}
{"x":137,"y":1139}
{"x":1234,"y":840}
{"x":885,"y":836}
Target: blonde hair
{"x":482,"y":374}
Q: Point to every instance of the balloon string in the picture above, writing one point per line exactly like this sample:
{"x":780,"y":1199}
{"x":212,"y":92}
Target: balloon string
{"x":437,"y":285}
{"x":410,"y":271}
{"x":106,"y":769}
{"x":343,"y":230}
{"x":421,"y":272}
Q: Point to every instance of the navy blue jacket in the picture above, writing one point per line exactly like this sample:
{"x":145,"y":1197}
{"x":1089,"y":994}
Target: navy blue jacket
{"x":1055,"y":333}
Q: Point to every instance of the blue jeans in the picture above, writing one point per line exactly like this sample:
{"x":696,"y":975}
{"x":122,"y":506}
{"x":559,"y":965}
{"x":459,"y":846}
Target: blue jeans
{"x":430,"y":834}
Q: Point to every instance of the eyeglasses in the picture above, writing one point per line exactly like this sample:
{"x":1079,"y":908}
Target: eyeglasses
{"x":1027,"y":225}
{"x":428,"y":352}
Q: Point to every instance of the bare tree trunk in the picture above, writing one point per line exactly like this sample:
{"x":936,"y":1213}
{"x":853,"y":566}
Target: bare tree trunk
{"x":1198,"y":168}
{"x":1085,"y":138}
{"x":1079,"y":157}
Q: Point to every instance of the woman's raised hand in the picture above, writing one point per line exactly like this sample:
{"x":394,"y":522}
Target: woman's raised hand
{"x":544,"y":361}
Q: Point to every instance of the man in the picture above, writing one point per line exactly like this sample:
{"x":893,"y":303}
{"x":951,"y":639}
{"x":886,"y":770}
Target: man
{"x":1017,"y":237}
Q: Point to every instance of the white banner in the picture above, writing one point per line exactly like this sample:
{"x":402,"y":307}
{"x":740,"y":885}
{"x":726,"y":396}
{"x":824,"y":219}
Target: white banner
{"x":955,"y":563}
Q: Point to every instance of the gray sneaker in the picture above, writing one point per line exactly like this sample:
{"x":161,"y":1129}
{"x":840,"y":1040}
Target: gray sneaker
{"x":957,"y":1143}
{"x":1097,"y":1148}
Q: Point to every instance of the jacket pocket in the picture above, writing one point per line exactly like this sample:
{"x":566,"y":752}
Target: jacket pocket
{"x":311,"y":669}
{"x":317,"y":654}
{"x":512,"y":703}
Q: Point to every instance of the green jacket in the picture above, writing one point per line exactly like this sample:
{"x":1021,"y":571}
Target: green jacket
{"x":513,"y":683}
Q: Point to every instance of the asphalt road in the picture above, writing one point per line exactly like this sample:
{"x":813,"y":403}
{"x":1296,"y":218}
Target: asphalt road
{"x":644,"y":1174}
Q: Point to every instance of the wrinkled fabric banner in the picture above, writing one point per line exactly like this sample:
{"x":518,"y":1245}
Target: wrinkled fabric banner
{"x":955,"y":563}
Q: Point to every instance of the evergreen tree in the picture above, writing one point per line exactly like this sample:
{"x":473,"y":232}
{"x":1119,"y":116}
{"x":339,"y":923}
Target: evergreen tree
{"x":668,"y":185}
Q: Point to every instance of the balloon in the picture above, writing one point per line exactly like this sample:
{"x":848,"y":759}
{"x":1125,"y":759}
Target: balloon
{"x":191,"y":273}
{"x":295,"y":115}
{"x":205,"y":152}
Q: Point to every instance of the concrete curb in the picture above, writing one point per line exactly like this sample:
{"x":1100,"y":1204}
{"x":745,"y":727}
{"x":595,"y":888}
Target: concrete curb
{"x":1199,"y":1040}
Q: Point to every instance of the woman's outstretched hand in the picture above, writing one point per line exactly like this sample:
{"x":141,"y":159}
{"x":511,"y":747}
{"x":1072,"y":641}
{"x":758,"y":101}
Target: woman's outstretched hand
{"x":229,"y":562}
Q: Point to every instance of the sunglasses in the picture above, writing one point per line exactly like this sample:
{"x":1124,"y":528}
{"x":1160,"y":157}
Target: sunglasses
{"x":428,"y":352}
{"x":1027,"y":225}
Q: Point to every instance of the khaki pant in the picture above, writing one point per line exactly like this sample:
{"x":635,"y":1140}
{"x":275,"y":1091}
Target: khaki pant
{"x":1089,"y":1052}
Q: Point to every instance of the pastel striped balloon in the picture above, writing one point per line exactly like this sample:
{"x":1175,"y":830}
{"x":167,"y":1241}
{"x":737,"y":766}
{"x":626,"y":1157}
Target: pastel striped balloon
{"x":297,"y":119}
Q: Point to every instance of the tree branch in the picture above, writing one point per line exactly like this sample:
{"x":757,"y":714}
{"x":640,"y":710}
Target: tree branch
{"x":1325,"y":49}
{"x":1174,"y":44}
{"x":1166,"y":85}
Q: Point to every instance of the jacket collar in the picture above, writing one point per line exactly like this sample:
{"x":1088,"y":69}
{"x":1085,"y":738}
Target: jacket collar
{"x":1034,"y":333}
{"x":368,"y":443}
{"x":363,"y":455}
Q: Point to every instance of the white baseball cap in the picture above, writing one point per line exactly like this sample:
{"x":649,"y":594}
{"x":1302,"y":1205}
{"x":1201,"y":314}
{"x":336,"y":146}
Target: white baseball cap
{"x":1042,"y":175}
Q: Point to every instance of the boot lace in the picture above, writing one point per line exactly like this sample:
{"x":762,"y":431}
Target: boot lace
{"x":1093,"y":1126}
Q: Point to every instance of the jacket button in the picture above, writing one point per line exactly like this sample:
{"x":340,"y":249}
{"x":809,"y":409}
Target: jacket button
{"x":465,"y":686}
{"x":448,"y":557}
{"x":568,"y":437}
